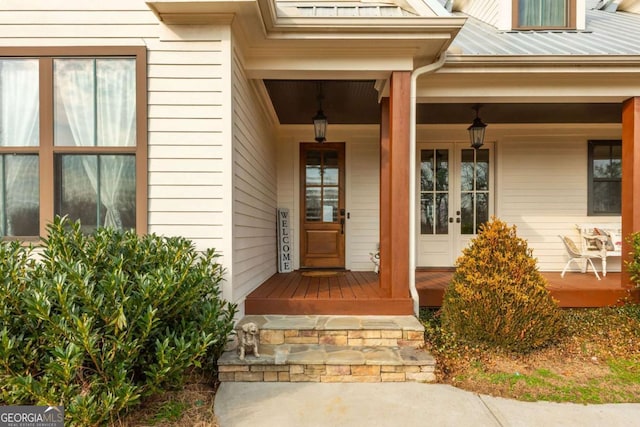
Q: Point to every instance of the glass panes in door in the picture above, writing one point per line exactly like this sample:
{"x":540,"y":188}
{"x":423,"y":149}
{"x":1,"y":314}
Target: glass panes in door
{"x":434,"y":191}
{"x":474,"y":189}
{"x":454,"y":199}
{"x":322,"y":186}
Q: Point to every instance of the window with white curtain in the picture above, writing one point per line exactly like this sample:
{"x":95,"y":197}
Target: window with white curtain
{"x":70,"y":141}
{"x":544,"y":14}
{"x":19,"y":131}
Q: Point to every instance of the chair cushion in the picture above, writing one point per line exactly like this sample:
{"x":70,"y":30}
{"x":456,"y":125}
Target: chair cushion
{"x":571,"y":245}
{"x":609,"y":243}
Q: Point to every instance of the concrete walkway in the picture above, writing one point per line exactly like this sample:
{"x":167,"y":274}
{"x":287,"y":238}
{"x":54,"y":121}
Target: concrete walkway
{"x":246,"y":404}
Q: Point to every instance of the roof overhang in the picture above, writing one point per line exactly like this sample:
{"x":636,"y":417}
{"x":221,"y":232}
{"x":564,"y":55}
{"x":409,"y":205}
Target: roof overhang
{"x":532,"y":79}
{"x":276,"y":46}
{"x":557,"y":62}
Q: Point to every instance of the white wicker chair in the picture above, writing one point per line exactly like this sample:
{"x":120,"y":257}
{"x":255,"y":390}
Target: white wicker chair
{"x":583,"y":259}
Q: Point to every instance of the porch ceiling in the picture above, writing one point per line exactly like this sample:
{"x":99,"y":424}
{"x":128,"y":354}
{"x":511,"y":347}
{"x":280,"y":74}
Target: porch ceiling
{"x":345,"y":101}
{"x":356,"y":102}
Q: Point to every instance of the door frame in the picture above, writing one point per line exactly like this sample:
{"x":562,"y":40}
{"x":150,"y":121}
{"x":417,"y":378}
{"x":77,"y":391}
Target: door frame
{"x":320,"y":263}
{"x":454,"y":238}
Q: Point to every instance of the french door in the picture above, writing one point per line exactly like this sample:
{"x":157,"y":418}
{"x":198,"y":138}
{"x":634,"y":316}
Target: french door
{"x":455,"y":196}
{"x":322,"y":198}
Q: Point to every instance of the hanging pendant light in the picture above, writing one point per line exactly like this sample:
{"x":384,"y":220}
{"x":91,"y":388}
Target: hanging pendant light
{"x":476,"y":130}
{"x":320,"y":120}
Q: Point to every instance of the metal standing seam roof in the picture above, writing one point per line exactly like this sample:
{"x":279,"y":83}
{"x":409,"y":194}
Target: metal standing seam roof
{"x":606,"y":33}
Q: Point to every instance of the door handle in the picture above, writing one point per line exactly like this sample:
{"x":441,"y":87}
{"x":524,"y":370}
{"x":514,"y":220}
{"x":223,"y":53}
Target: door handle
{"x":341,"y":225}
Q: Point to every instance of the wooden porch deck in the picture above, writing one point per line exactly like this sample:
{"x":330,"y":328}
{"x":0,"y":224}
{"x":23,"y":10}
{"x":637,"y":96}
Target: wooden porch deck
{"x":575,"y":290}
{"x":348,"y":293}
{"x":358,"y":293}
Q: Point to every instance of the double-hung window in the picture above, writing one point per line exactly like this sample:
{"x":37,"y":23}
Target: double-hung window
{"x":72,"y":138}
{"x":544,"y":14}
{"x":605,"y":177}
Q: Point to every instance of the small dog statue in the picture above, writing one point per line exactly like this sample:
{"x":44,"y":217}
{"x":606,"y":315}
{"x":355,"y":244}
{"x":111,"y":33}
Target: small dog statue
{"x":249,"y":337}
{"x":375,"y":259}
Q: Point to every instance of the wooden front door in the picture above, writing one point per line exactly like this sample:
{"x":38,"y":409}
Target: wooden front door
{"x":322,"y":198}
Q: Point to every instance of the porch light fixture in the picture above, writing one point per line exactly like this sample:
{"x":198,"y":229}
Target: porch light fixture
{"x":476,"y":130}
{"x":320,"y":120}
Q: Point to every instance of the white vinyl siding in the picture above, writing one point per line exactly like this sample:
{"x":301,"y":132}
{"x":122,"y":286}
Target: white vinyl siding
{"x":363,"y":201}
{"x":186,"y":116}
{"x":287,"y":171}
{"x":189,"y":106}
{"x":540,"y":182}
{"x":542,"y":189}
{"x":188,"y":167}
{"x":75,"y":23}
{"x":254,"y":187}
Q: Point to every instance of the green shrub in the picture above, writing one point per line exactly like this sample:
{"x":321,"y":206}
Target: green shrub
{"x":497,"y":295}
{"x":633,"y":266}
{"x":102,"y":321}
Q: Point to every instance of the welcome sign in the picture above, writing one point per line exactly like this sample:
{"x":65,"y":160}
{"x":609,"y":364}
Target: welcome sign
{"x":284,"y":241}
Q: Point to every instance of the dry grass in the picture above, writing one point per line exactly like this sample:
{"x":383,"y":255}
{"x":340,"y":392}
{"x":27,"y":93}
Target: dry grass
{"x":596,"y":360}
{"x":191,"y":406}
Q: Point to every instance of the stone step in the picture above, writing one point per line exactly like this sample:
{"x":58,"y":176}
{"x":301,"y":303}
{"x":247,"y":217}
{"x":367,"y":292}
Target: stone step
{"x":386,"y":331}
{"x":328,"y":363}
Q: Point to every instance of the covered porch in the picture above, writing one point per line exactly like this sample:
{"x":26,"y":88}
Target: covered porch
{"x":359,"y":293}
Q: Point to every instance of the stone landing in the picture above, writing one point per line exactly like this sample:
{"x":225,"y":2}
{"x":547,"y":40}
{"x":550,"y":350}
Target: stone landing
{"x":333,"y":349}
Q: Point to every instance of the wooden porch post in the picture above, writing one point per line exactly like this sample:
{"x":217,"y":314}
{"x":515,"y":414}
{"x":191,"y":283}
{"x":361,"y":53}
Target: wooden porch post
{"x":385,"y":199}
{"x":394,"y":188}
{"x":630,"y":178}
